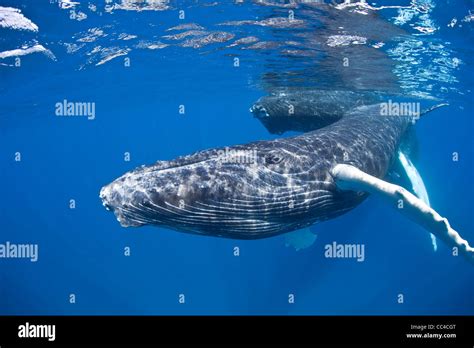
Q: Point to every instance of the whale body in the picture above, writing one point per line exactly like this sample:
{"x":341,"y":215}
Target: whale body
{"x":260,"y":189}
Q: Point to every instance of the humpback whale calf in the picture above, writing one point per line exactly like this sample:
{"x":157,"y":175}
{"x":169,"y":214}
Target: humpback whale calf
{"x":267,"y":188}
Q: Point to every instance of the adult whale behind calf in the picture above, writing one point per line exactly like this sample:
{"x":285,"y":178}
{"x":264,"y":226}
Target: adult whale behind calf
{"x":305,"y":110}
{"x":268,"y":188}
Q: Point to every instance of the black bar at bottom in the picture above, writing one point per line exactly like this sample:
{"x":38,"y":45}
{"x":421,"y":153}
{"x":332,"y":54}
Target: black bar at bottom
{"x":451,"y":330}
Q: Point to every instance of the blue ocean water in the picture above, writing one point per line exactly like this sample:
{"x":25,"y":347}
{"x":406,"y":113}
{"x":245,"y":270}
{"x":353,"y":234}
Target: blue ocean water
{"x":120,"y":56}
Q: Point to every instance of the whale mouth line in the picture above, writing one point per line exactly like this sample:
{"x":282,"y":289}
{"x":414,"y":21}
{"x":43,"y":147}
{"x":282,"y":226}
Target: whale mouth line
{"x":127,"y":217}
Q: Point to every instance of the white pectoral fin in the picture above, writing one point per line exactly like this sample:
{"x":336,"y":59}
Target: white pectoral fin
{"x":300,"y":239}
{"x":349,"y":177}
{"x":418,"y":186}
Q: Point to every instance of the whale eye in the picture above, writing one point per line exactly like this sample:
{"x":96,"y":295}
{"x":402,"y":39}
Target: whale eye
{"x":273,"y":158}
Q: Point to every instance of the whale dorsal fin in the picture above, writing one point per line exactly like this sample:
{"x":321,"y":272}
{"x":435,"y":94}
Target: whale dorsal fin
{"x":348,"y":177}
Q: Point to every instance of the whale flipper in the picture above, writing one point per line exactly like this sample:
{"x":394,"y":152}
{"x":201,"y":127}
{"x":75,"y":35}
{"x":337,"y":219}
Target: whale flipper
{"x":300,"y":239}
{"x":348,"y":177}
{"x":418,"y":186}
